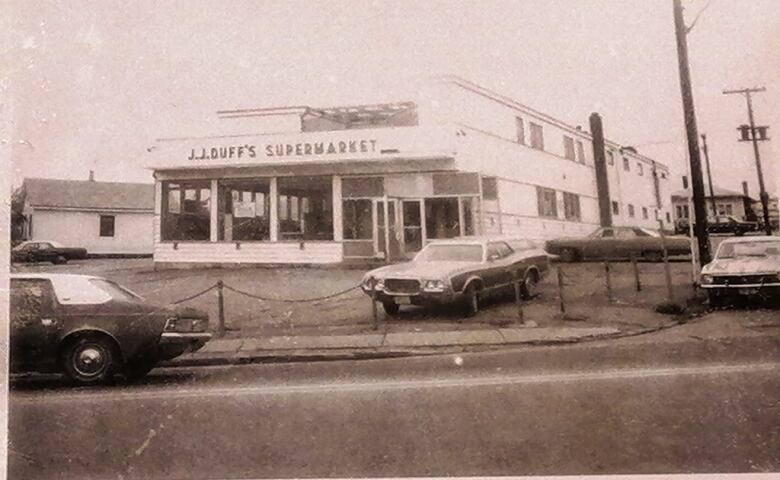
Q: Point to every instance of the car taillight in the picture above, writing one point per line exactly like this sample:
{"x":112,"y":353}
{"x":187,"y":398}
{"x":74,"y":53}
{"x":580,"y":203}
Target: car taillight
{"x":171,"y":324}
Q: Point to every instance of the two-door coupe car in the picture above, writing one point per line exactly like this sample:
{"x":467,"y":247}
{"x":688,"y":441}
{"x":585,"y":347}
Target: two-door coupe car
{"x":91,"y":328}
{"x":459,"y":270}
{"x":747,"y":266}
{"x":619,"y":243}
{"x":46,"y":251}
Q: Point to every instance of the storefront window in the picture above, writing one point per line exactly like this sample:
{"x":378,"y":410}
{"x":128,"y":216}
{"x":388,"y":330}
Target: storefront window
{"x":468,"y":215}
{"x":442,"y":219}
{"x":305,"y":208}
{"x":357,"y":216}
{"x":244,"y":210}
{"x":186,"y":211}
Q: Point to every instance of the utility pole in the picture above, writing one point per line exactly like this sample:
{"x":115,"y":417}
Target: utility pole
{"x":753,"y":133}
{"x":697,"y":183}
{"x":709,"y":172}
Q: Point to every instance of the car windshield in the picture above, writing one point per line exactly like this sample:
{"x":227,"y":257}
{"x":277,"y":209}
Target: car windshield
{"x":749,"y":249}
{"x":450,"y":253}
{"x":115,"y":290}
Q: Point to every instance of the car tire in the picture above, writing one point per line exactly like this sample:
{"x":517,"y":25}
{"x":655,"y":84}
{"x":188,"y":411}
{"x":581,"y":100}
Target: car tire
{"x":718,"y":300}
{"x":391,"y":308}
{"x":471,"y":300}
{"x":138,"y":369}
{"x":653,"y":256}
{"x":90,"y":359}
{"x":530,"y":282}
{"x":59,"y":260}
{"x":569,"y":255}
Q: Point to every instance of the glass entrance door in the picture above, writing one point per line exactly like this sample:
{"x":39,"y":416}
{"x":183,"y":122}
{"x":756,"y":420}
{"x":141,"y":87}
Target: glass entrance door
{"x":386,"y":230}
{"x":412,"y":226}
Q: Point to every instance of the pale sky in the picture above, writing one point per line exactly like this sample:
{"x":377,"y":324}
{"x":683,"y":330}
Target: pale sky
{"x":92,"y":84}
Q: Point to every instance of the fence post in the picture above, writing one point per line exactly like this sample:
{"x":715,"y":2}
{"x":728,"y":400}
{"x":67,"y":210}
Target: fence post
{"x":636,"y":272}
{"x":609,"y":281}
{"x":518,"y":297}
{"x":667,"y":272}
{"x":372,"y":295}
{"x":559,"y":271}
{"x":220,"y":309}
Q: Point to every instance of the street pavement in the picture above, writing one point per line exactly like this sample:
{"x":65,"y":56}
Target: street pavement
{"x":686,"y":399}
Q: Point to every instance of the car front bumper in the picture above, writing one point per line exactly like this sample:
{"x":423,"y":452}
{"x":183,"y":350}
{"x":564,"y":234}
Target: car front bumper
{"x":173,"y":344}
{"x":423,"y":298}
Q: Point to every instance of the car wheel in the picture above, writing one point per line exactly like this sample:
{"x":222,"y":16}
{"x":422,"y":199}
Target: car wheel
{"x":569,"y":255}
{"x":90,"y":359}
{"x":653,"y":256}
{"x":59,"y":259}
{"x":718,"y":300}
{"x":139,"y":368}
{"x":530,"y":282}
{"x":471,"y":300}
{"x":391,"y":308}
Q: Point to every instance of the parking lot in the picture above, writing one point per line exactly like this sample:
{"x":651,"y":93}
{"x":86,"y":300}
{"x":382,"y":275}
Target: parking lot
{"x":584,"y":293}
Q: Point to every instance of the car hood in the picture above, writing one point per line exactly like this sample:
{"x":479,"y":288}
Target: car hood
{"x":743,"y":265}
{"x":426,"y":270}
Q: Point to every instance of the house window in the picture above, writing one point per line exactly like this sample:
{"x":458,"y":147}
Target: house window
{"x":244,"y":210}
{"x":537,"y":136}
{"x":615,"y":208}
{"x":305,"y":208}
{"x":610,"y":157}
{"x":581,"y":152}
{"x":644,"y":213}
{"x":489,"y":188}
{"x":571,"y":206}
{"x":668,"y":218}
{"x":641,"y":169}
{"x":626,"y":165}
{"x":568,"y":148}
{"x":630,"y":210}
{"x":520,"y":130}
{"x":546,"y":202}
{"x":186,"y":210}
{"x":682,"y":211}
{"x":107,"y":223}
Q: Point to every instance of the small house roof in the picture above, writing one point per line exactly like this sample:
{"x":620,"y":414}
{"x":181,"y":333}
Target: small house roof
{"x":88,"y":194}
{"x":719,"y":192}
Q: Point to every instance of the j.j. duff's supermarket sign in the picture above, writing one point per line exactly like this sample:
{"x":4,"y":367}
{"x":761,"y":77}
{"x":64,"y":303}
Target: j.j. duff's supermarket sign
{"x":301,"y":149}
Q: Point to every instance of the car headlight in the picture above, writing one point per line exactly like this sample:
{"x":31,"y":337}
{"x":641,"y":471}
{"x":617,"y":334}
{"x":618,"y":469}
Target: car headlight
{"x":706,"y":279}
{"x":378,"y":283}
{"x":433,"y":285}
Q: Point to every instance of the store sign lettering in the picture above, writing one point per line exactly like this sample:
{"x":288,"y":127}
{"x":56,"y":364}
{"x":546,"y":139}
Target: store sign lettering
{"x":301,"y":149}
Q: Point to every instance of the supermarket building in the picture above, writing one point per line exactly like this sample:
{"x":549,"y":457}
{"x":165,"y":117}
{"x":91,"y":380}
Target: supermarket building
{"x":305,"y":185}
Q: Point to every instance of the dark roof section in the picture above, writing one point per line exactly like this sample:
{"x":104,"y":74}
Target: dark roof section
{"x":719,"y":192}
{"x":44,"y":192}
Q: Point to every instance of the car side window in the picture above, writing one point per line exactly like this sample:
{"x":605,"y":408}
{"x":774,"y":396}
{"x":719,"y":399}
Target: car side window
{"x":640,"y":233}
{"x":504,"y":249}
{"x":625,"y":234}
{"x":28,"y":297}
{"x":44,"y":246}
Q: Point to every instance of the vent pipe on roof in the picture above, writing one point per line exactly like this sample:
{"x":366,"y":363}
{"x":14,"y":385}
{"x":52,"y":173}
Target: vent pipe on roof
{"x":91,"y":175}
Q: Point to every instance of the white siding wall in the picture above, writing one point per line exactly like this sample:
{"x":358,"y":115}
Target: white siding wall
{"x":133,"y":232}
{"x":274,"y":253}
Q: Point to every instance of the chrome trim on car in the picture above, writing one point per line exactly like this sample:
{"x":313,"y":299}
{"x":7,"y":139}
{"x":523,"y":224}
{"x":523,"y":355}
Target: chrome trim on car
{"x":178,"y":336}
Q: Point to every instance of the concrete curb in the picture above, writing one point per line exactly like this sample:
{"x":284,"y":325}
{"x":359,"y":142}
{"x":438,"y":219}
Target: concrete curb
{"x":364,"y":347}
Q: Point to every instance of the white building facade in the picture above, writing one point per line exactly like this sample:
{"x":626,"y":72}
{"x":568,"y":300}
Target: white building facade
{"x":305,"y":185}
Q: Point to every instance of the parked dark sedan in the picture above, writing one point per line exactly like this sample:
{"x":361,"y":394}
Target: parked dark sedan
{"x":90,"y":328}
{"x":459,"y":270}
{"x":618,"y":243}
{"x":46,"y":251}
{"x":722,"y":224}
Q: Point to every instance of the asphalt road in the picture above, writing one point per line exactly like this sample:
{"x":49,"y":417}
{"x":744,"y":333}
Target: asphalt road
{"x":601,"y":408}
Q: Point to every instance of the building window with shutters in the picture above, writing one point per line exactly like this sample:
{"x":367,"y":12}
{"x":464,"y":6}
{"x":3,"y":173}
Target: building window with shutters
{"x":644,"y":213}
{"x":568,"y":147}
{"x":537,"y":136}
{"x":630,"y":210}
{"x":107,"y":223}
{"x":546,"y":202}
{"x":581,"y":152}
{"x":571,"y":206}
{"x":520,"y":130}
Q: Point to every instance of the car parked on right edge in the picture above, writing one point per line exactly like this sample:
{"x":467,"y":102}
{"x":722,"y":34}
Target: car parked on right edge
{"x":743,"y":267}
{"x":610,"y":243}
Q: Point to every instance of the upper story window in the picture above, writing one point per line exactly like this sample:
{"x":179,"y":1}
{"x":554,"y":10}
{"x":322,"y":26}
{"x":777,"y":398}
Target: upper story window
{"x":107,"y":223}
{"x":630,"y":210}
{"x":537,"y":136}
{"x":520,"y":130}
{"x":546,"y":202}
{"x":610,"y":157}
{"x":641,"y":169}
{"x":615,"y":208}
{"x":568,"y":147}
{"x":571,"y":206}
{"x":580,"y":152}
{"x":626,"y":165}
{"x":644,"y":213}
